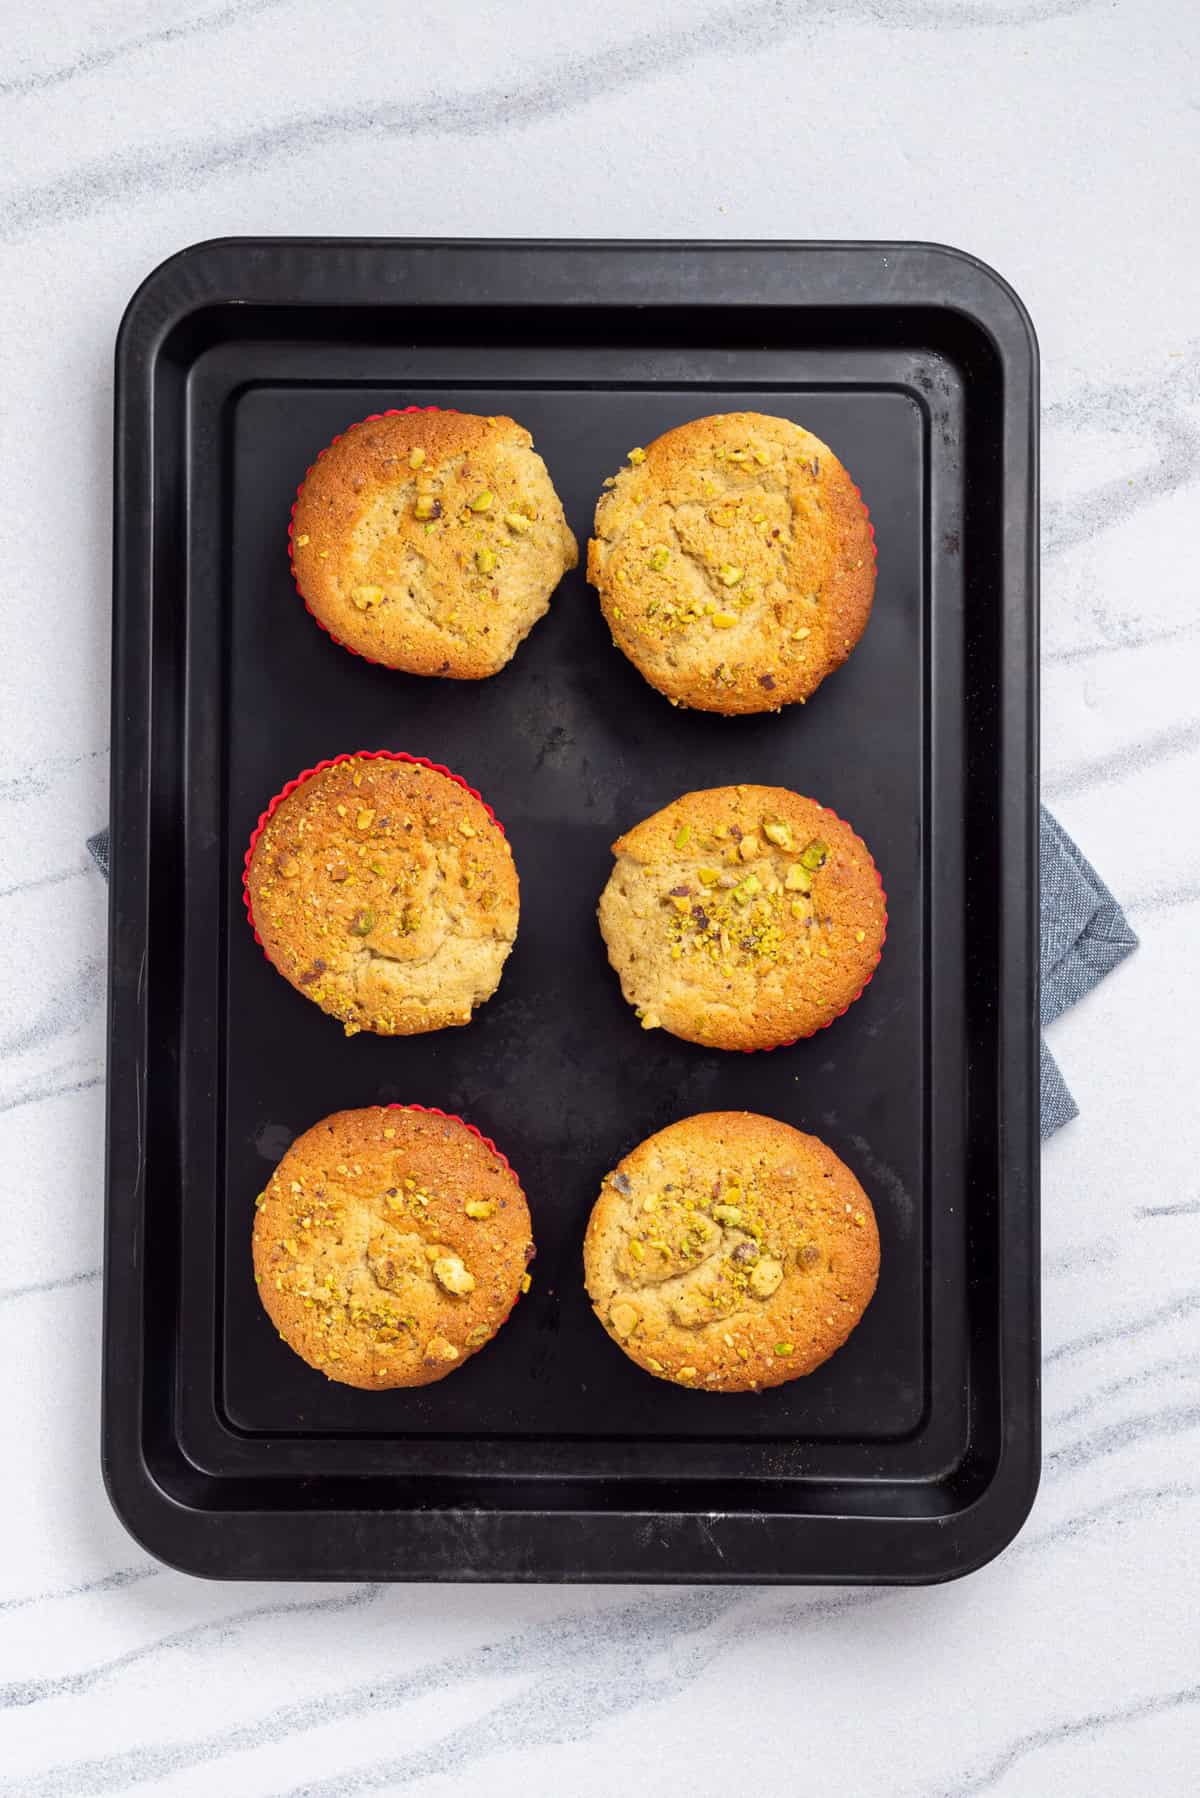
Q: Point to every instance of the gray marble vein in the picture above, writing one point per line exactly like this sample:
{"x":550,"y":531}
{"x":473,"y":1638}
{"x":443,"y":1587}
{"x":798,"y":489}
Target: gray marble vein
{"x":1161,"y":406}
{"x":757,"y":27}
{"x":67,"y":1283}
{"x":116,"y":1581}
{"x":1129,"y":1432}
{"x":53,"y":1086}
{"x":1174,"y":1311}
{"x":220,"y":1629}
{"x":91,"y":62}
{"x":1089,"y":1726}
{"x":1132,"y":759}
{"x":37,"y":881}
{"x":582,"y":1672}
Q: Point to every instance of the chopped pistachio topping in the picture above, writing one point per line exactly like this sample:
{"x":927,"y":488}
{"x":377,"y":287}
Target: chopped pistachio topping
{"x":482,"y":501}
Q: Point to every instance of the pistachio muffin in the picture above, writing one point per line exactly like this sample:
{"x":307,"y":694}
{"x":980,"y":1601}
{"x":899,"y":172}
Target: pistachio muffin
{"x":731,"y":1252}
{"x":735,"y":562}
{"x":390,"y":1245}
{"x":385,"y":891}
{"x":742,"y":917}
{"x":430,"y":541}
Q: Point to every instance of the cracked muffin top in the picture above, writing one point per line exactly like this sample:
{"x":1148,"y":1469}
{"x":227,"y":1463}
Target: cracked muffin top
{"x":390,"y":1245}
{"x":735,"y":562}
{"x":386,"y":893}
{"x":742,"y":917}
{"x":730,"y":1252}
{"x":431,"y":541}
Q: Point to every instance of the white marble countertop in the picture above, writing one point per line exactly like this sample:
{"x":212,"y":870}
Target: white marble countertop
{"x":1058,"y":140}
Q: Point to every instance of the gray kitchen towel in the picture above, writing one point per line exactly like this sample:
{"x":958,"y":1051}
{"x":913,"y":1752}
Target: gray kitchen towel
{"x":1084,"y":935}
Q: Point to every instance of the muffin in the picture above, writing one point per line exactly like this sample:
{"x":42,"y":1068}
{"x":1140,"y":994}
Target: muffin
{"x":730,"y":1252}
{"x":430,"y":541}
{"x":390,"y":1245}
{"x":735,"y":562}
{"x":742,"y":917}
{"x":384,"y":889}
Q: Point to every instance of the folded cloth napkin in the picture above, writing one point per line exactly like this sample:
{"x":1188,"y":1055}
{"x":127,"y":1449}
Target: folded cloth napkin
{"x":1084,"y":936}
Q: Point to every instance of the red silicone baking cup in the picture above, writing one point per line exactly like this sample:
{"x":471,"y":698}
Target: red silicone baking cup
{"x":769,"y":1048}
{"x":392,"y":412}
{"x":354,"y":755}
{"x":451,"y":1117}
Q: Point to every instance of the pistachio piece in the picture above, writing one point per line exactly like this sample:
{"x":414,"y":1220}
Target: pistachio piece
{"x":438,"y":1349}
{"x":478,"y":1336}
{"x":659,"y":558}
{"x":762,"y":456}
{"x":427,"y":506}
{"x":623,"y":1319}
{"x":482,"y":501}
{"x":785,"y":1348}
{"x":799,"y":636}
{"x":746,"y":1254}
{"x":480,"y":1208}
{"x":288,"y":866}
{"x":416,"y":458}
{"x":730,"y":1215}
{"x":366,"y":597}
{"x":637,"y":455}
{"x":302,"y":540}
{"x":683,"y":836}
{"x":729,"y":574}
{"x":765,"y":1278}
{"x":485,"y":560}
{"x":708,"y":876}
{"x":748,"y":848}
{"x":622,"y":1183}
{"x":365,"y":819}
{"x":815,"y":856}
{"x":778,"y":833}
{"x":517,"y":521}
{"x":797,"y":880}
{"x":363,"y":922}
{"x":724,"y":621}
{"x":448,"y":1271}
{"x":651,"y":1020}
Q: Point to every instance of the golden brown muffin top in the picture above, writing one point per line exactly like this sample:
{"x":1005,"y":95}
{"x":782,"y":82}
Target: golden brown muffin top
{"x":386,"y":892}
{"x":390,"y":1245}
{"x":731,"y":1252}
{"x":742,"y":917}
{"x":431,"y":541}
{"x":734,"y":561}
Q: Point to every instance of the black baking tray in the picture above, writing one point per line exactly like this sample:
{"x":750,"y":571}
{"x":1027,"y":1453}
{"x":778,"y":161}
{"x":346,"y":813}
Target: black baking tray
{"x":913,"y":1454}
